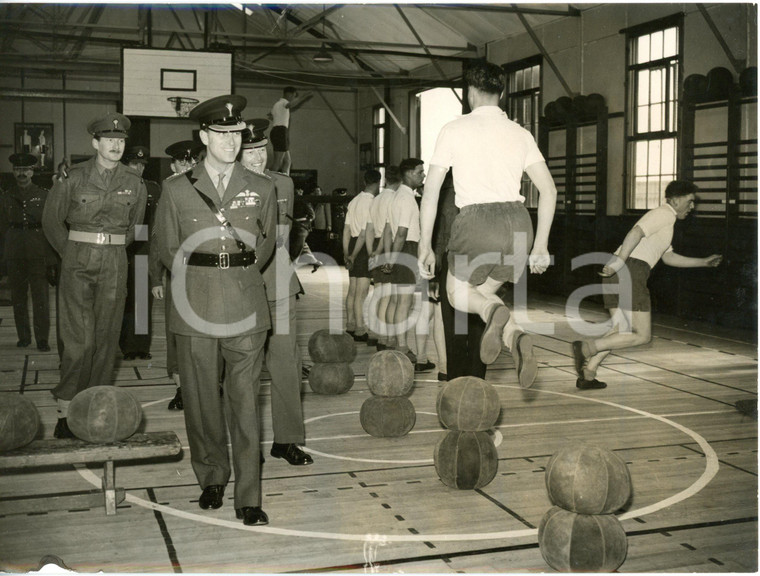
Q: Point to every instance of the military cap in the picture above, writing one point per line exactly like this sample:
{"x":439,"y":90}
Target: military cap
{"x":137,"y":154}
{"x":23,"y":160}
{"x":112,"y":125}
{"x":253,"y":135}
{"x":183,"y":150}
{"x":221,"y":114}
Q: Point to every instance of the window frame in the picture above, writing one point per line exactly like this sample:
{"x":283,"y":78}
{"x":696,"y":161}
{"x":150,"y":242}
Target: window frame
{"x":632,"y":135}
{"x":531,"y":194}
{"x":376,"y":126}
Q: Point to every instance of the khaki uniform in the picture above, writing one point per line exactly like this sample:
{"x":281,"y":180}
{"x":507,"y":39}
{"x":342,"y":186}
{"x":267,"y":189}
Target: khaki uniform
{"x":27,"y":254}
{"x":93,"y":283}
{"x":283,"y":356}
{"x":213,"y":308}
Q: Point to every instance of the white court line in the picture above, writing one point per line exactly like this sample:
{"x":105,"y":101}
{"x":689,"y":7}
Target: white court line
{"x":711,"y":469}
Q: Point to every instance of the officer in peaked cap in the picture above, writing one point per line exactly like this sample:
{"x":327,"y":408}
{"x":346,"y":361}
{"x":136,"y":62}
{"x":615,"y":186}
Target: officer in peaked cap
{"x":282,"y":286}
{"x":112,"y":125}
{"x":136,"y":331}
{"x":184,"y":155}
{"x":27,"y":253}
{"x":223,"y":308}
{"x":220,"y":114}
{"x":91,"y":215}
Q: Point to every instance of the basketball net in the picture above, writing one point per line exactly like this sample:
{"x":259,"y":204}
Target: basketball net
{"x":182,"y":106}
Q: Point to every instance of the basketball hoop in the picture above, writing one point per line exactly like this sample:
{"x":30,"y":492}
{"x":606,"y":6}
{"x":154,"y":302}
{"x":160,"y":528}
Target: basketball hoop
{"x":182,"y":105}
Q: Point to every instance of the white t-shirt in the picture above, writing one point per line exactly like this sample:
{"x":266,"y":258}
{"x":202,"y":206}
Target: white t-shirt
{"x":489,"y":153}
{"x":357,"y":213}
{"x":657,"y":225}
{"x":281,"y":113}
{"x":380,"y":211}
{"x":405,"y":213}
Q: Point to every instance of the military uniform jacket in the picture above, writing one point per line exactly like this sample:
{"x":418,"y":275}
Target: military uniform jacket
{"x":209,"y":301}
{"x":82,"y":202}
{"x":142,"y":237}
{"x":21,"y":224}
{"x":279,"y":274}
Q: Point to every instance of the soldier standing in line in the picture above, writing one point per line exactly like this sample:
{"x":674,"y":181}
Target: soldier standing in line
{"x":89,"y":219}
{"x":283,"y":357}
{"x":183,"y":155}
{"x":216,"y":226}
{"x":29,"y":257}
{"x":136,"y":328}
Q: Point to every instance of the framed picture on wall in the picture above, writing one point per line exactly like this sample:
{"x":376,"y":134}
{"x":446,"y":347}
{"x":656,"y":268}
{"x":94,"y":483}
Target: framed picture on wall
{"x":36,"y":139}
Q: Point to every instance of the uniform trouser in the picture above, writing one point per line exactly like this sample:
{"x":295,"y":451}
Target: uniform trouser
{"x":24,"y":275}
{"x":136,"y":327}
{"x":283,"y":358}
{"x":462,"y":350}
{"x":93,"y":288}
{"x":172,"y":365}
{"x":205,"y":411}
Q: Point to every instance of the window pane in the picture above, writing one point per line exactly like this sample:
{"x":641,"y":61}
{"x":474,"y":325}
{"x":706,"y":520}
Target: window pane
{"x":657,"y":118}
{"x":654,"y":158}
{"x":640,"y":159}
{"x":643,"y":92}
{"x":669,"y":157}
{"x":642,"y":50}
{"x":656,"y":88}
{"x":381,"y":115}
{"x":642,"y":120}
{"x":519,"y":84}
{"x":670,"y":44}
{"x":656,"y":47}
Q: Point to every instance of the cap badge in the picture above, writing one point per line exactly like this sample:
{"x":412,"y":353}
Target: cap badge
{"x":140,"y":154}
{"x":116,"y":124}
{"x":229,"y":107}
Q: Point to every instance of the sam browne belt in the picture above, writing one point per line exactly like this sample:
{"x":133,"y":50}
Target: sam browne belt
{"x":222,"y":261}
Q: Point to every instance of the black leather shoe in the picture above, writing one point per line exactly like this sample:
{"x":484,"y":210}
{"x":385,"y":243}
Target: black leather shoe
{"x":62,"y":429}
{"x":176,"y":403}
{"x":252,"y":516}
{"x":424,"y":367}
{"x":211,"y":497}
{"x":583,"y":384}
{"x":381,"y":346}
{"x":371,"y":341}
{"x":292,"y":453}
{"x":443,"y":377}
{"x":43,"y":346}
{"x":361,"y":337}
{"x":129,"y":356}
{"x":144,"y":355}
{"x":23,"y":343}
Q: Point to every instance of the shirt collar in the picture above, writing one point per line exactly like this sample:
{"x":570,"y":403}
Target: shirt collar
{"x":214,"y":174}
{"x":405,"y":188}
{"x":488,"y":111}
{"x":673,"y":210}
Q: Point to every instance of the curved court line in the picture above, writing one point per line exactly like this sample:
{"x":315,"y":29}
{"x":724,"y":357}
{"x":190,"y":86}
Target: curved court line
{"x":711,"y":469}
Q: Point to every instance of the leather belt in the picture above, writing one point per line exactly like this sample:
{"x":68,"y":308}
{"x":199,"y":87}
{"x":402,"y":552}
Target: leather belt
{"x":222,"y":261}
{"x":98,"y":238}
{"x":26,"y":226}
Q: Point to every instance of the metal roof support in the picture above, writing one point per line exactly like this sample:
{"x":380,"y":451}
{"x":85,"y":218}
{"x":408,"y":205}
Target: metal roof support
{"x":543,"y":51}
{"x":571,"y":11}
{"x":303,"y":27}
{"x":181,"y":27}
{"x":425,"y":48}
{"x":738,"y":64}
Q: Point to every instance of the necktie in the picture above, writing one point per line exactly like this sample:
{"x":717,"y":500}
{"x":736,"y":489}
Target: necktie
{"x":107,"y":177}
{"x":220,"y":186}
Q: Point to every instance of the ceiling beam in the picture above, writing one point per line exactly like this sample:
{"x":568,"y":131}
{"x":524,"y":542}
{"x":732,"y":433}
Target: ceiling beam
{"x":505,"y":9}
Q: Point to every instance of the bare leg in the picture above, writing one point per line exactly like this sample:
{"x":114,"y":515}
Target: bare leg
{"x":350,"y":311}
{"x":630,"y":329}
{"x":360,"y":295}
{"x":404,"y":300}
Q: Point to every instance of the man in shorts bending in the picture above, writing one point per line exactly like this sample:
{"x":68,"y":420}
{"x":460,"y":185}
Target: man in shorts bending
{"x":624,"y":287}
{"x":280,"y":135}
{"x":492,"y":234}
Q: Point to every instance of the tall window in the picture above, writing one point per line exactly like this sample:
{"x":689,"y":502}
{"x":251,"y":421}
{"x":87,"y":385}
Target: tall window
{"x":523,"y":105}
{"x":380,"y":137}
{"x":654,"y":53}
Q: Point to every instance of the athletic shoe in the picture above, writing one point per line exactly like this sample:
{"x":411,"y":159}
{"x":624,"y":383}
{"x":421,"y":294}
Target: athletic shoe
{"x":525,"y":360}
{"x":583,"y":384}
{"x":490,"y":342}
{"x":420,"y":367}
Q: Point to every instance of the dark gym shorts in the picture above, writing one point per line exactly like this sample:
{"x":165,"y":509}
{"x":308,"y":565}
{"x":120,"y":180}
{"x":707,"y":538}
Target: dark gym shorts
{"x":377,"y":274}
{"x":640,"y":301}
{"x":280,"y":138}
{"x":497,"y":229}
{"x":359,"y":269}
{"x":405,"y":271}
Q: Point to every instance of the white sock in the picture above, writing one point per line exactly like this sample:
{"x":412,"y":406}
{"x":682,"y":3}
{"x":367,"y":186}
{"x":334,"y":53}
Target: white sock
{"x":509,"y":332}
{"x":63,"y":408}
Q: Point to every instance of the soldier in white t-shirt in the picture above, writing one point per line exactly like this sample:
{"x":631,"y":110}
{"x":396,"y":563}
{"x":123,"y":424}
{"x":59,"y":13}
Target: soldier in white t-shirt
{"x":280,"y":133}
{"x":625,"y":291}
{"x":492,"y":235}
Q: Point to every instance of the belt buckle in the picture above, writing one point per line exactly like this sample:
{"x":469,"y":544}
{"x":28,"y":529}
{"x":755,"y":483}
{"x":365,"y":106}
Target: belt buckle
{"x":224,"y":260}
{"x":102,"y":238}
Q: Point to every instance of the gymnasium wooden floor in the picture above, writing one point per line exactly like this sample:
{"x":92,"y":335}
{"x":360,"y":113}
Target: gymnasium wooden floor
{"x":377,"y":505}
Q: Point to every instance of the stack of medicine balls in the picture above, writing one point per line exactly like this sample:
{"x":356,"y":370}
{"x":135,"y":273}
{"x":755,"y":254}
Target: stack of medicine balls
{"x":332,"y":355}
{"x":465,"y":457}
{"x":580,"y":533}
{"x":388,"y":412}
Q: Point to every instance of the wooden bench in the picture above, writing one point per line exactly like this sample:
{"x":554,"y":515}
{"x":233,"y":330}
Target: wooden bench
{"x":74,"y":451}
